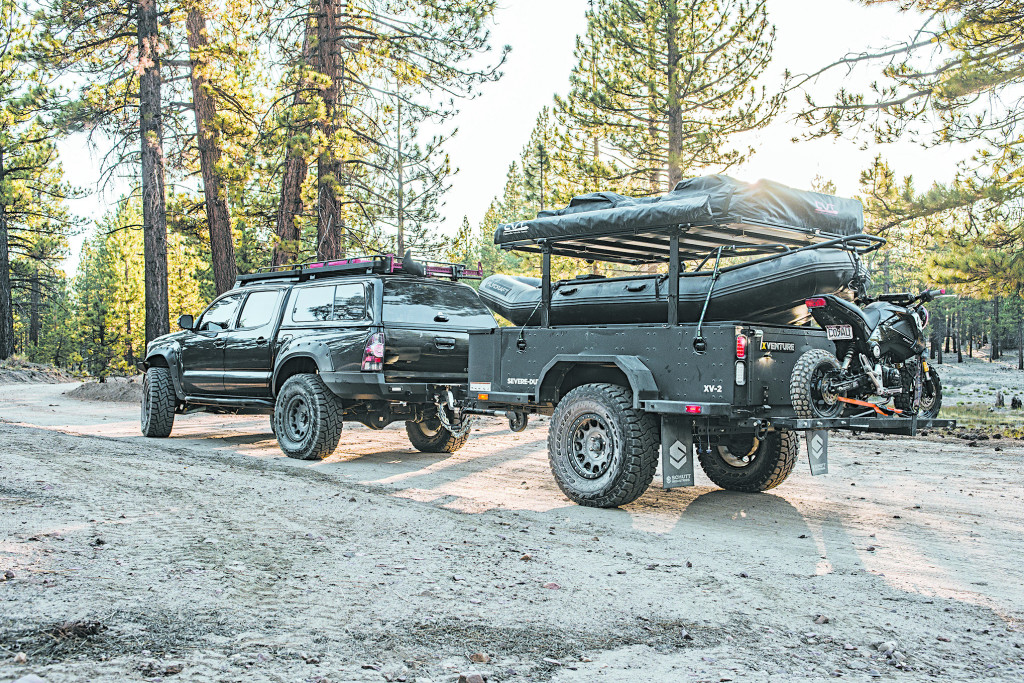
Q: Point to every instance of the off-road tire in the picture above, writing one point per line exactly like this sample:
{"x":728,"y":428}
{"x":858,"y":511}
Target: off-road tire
{"x":158,"y":403}
{"x":307,"y":418}
{"x":801,"y":391}
{"x":905,"y":400}
{"x":771,"y":463}
{"x":606,"y":409}
{"x":433,"y":437}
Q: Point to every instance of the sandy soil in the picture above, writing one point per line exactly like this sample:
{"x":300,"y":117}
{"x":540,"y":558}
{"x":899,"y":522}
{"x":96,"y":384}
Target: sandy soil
{"x":14,"y":371}
{"x":210,"y":557}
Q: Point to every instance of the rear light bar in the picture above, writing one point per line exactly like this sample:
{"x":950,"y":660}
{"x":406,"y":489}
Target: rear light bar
{"x":373,"y":355}
{"x":817,"y":302}
{"x":741,"y":346}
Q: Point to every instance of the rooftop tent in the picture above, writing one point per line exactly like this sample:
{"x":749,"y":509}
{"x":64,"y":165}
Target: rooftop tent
{"x":708,"y":211}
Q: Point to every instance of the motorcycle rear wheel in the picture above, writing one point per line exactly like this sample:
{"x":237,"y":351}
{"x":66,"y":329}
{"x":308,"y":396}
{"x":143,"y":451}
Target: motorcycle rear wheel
{"x":807,"y":388}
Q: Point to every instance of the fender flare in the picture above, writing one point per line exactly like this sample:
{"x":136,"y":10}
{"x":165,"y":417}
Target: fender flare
{"x":171,"y":354}
{"x":314,"y":350}
{"x":641,"y":380}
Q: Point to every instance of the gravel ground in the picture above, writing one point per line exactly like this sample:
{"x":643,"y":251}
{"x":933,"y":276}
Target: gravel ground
{"x":210,"y":557}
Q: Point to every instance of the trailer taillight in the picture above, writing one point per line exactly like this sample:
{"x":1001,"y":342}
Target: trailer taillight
{"x":741,"y":346}
{"x":816,"y":302}
{"x":693,"y":410}
{"x":741,"y":373}
{"x":373,"y":355}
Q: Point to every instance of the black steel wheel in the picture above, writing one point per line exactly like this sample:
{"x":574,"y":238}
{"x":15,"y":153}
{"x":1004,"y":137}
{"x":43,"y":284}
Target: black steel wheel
{"x":307,"y":418}
{"x":158,"y":403}
{"x":602,"y":450}
{"x":808,"y":385}
{"x":430,"y":436}
{"x":746,"y":463}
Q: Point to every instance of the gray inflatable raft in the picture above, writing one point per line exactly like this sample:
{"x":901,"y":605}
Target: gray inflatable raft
{"x":770,"y":291}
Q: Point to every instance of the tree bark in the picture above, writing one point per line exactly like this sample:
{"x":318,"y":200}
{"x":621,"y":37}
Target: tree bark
{"x":6,"y":303}
{"x":993,"y":349}
{"x":675,"y":112}
{"x":296,"y":166}
{"x":35,"y":297}
{"x":329,"y":223}
{"x":222,"y":245}
{"x":154,"y":209}
{"x":401,"y":175}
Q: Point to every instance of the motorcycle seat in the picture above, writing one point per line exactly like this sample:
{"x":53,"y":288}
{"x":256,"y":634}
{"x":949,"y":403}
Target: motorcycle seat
{"x":870,"y":314}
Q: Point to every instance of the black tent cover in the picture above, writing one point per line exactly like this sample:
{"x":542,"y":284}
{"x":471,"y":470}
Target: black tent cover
{"x":713,"y":200}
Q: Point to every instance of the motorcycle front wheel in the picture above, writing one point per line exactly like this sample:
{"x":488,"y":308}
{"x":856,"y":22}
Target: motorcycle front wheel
{"x":931,"y":393}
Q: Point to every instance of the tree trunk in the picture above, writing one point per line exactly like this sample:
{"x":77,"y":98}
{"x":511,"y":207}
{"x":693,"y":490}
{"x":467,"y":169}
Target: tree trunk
{"x":400,"y":219}
{"x":35,"y":298}
{"x":958,"y":335}
{"x":296,"y":166}
{"x":6,"y":302}
{"x":222,"y":246}
{"x":1020,"y":337}
{"x":941,"y":333}
{"x":329,"y":223}
{"x":154,"y":210}
{"x":996,"y":351}
{"x":674,"y":109}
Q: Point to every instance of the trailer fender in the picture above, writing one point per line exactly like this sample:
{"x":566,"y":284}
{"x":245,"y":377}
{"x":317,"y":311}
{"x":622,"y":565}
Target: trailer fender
{"x":640,"y":379}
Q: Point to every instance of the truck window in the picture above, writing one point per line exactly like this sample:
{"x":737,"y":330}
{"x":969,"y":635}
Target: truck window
{"x":219,"y":316}
{"x":259,"y":309}
{"x":349,"y":302}
{"x":421,"y":302}
{"x":313,"y":304}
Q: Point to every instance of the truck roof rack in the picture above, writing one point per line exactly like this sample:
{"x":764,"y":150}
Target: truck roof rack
{"x":375,"y":264}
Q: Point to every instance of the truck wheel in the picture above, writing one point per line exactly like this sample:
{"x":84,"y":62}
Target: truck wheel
{"x":809,"y":398}
{"x":430,"y":436}
{"x":602,"y":450}
{"x":307,"y":418}
{"x":746,"y":463}
{"x":158,"y":401}
{"x":931,"y":394}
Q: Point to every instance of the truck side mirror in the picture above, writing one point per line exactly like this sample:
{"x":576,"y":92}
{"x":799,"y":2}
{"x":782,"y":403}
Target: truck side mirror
{"x":185,"y":322}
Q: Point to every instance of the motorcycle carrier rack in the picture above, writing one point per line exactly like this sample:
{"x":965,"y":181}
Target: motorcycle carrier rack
{"x":903,"y":426}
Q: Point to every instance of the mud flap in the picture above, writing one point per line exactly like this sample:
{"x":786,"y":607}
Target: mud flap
{"x":676,"y":452}
{"x":817,"y":451}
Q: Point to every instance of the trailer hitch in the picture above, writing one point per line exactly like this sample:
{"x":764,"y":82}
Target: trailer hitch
{"x":461,"y":419}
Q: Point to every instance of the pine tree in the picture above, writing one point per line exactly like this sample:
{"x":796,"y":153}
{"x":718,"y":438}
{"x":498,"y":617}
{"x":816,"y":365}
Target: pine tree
{"x":34,"y":222}
{"x":666,"y":84}
{"x":94,"y":41}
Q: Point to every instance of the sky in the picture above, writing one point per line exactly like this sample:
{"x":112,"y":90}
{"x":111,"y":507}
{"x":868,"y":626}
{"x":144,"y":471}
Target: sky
{"x":496,"y":124}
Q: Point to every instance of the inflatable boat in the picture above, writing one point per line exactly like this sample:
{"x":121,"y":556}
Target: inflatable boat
{"x":767,"y":290}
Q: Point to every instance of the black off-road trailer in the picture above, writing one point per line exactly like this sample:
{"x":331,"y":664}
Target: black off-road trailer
{"x":725,"y":391}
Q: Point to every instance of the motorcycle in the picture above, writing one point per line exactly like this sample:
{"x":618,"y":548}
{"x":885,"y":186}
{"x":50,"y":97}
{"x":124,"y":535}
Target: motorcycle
{"x":880,"y":344}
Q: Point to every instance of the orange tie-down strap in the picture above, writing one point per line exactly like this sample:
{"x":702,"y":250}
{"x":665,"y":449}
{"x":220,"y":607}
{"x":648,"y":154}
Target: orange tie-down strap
{"x":868,"y":404}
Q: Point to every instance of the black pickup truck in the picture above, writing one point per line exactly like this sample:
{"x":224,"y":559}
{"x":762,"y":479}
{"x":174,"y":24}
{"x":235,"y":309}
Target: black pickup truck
{"x":372,"y":339}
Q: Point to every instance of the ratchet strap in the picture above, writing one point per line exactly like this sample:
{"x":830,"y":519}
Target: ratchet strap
{"x":881,"y":410}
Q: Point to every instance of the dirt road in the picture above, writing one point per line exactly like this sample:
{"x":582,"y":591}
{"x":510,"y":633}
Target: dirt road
{"x":210,"y":557}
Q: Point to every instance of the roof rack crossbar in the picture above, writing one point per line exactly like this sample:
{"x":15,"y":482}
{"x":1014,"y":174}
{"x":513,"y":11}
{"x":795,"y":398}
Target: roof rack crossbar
{"x":381,"y":264}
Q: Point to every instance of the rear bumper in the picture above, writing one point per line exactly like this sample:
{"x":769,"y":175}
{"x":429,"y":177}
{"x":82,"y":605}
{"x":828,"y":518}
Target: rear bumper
{"x":371,"y":386}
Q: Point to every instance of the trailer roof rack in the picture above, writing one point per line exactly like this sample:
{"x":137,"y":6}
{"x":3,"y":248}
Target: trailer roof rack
{"x":696,"y":218}
{"x":374,"y":264}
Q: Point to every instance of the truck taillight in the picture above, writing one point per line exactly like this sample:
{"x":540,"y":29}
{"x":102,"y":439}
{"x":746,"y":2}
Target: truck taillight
{"x":741,"y":346}
{"x":373,"y":355}
{"x":816,"y":302}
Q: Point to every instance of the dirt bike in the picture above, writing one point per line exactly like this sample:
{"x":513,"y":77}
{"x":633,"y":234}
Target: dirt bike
{"x":880,"y":344}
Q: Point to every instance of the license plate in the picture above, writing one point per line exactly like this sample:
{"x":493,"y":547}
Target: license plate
{"x":839,"y":331}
